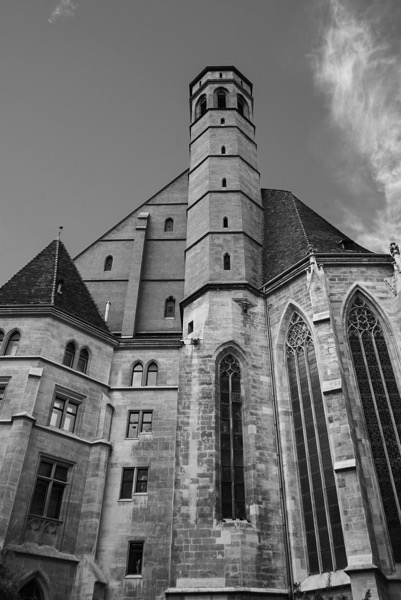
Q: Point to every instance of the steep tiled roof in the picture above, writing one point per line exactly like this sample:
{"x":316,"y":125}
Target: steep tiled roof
{"x":290,"y":227}
{"x":35,"y":284}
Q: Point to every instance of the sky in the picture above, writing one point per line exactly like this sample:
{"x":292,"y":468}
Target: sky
{"x":94,"y":115}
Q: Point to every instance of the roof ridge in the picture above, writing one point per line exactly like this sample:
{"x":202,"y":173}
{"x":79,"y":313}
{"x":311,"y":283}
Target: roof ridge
{"x":299,"y":219}
{"x":55,"y":271}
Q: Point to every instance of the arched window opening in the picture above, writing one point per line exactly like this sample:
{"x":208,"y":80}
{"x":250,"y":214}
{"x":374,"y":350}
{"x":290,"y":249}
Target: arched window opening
{"x":225,"y":222}
{"x":231,"y":440}
{"x":137,"y":372}
{"x":108,"y":263}
{"x":224,"y":182}
{"x":169,"y":308}
{"x":169,"y":224}
{"x":12,"y":344}
{"x":201,"y":107}
{"x":83,"y":360}
{"x":223,"y":149}
{"x":222,"y":121}
{"x":324,"y":537}
{"x":31,"y":591}
{"x":69,"y":355}
{"x":221,"y":99}
{"x":221,"y":75}
{"x":1,"y":335}
{"x":227,"y":262}
{"x":151,"y":374}
{"x":242,"y":106}
{"x":381,"y":403}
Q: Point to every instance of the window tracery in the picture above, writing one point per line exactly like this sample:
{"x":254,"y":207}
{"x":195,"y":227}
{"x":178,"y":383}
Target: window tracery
{"x":381,"y":403}
{"x":324,"y":537}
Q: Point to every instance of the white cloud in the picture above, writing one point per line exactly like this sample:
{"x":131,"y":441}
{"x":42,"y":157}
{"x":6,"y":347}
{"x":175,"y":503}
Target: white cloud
{"x":360,"y":71}
{"x":65,"y":8}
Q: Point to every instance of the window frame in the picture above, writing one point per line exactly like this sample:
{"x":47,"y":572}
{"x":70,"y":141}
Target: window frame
{"x":140,"y":544}
{"x":167,"y":302}
{"x":150,"y":369}
{"x":4,"y":381}
{"x":140,"y":423}
{"x":137,"y":363}
{"x":83,"y":349}
{"x":134,"y":483}
{"x":74,"y":344}
{"x":10,"y":341}
{"x":68,"y":398}
{"x":108,"y":263}
{"x":52,"y":481}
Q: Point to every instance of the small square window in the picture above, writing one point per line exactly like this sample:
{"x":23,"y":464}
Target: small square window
{"x":135,"y":558}
{"x":64,"y":413}
{"x":134,"y":481}
{"x":139,"y":421}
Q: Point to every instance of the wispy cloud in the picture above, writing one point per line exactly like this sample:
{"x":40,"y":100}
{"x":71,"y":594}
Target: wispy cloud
{"x":358,"y":66}
{"x":65,"y":8}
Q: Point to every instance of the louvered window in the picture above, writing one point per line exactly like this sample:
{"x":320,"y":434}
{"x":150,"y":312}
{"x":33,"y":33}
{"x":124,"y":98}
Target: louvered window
{"x":324,"y":537}
{"x":231,"y":440}
{"x":382,"y":409}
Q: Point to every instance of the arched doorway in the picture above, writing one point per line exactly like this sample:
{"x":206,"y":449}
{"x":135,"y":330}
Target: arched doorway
{"x":31,"y":591}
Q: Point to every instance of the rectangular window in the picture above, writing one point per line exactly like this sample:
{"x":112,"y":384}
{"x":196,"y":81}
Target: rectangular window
{"x":3,"y":385}
{"x":64,"y":413}
{"x":51,"y":481}
{"x":139,"y":421}
{"x":134,"y":481}
{"x":135,"y":558}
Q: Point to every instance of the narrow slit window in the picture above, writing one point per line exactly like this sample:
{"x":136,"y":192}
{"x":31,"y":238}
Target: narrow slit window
{"x":227,"y":262}
{"x":225,"y":222}
{"x":169,"y":308}
{"x":108,"y":263}
{"x":169,"y":224}
{"x":222,"y":121}
{"x":137,"y":373}
{"x":224,"y":182}
{"x":223,"y":149}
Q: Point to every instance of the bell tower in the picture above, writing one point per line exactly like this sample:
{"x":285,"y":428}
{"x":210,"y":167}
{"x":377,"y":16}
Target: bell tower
{"x":224,"y":206}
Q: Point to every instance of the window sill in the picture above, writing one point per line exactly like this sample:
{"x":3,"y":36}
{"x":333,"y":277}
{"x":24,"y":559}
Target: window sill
{"x":133,"y":577}
{"x":169,"y":318}
{"x":134,"y":496}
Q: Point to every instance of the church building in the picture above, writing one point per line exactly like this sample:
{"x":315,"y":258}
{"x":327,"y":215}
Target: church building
{"x":205,"y":403}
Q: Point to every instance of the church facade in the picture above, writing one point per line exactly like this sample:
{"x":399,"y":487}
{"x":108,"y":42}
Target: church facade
{"x":205,"y":403}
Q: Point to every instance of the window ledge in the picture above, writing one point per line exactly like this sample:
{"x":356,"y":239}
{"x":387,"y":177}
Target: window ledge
{"x":133,"y":577}
{"x":238,"y":523}
{"x":169,"y":318}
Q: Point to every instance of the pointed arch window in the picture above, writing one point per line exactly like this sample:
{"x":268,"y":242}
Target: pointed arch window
{"x":231,"y":440}
{"x":69,"y":355}
{"x":151,"y":374}
{"x":83,"y":360}
{"x":169,"y":224}
{"x":324,"y":536}
{"x":227,"y":262}
{"x":12,"y":344}
{"x":201,"y":107}
{"x":137,"y":373}
{"x":169,"y":308}
{"x":108,"y":263}
{"x":242,"y":106}
{"x":31,"y":591}
{"x":221,"y":99}
{"x":381,"y":403}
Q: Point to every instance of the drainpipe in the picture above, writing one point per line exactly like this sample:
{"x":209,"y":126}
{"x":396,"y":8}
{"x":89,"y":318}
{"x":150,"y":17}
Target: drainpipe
{"x":287,"y":546}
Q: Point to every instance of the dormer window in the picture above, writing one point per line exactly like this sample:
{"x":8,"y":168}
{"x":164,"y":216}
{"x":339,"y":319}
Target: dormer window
{"x":346,"y":244}
{"x":108,"y":263}
{"x":59,"y":287}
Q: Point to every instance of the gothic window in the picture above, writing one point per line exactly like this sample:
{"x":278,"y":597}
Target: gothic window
{"x":225,"y":222}
{"x":12,"y":344}
{"x":151,"y":374}
{"x":31,"y":591}
{"x":221,"y":99}
{"x":83,"y":360}
{"x":324,"y":537}
{"x":137,"y":372}
{"x":231,"y":440}
{"x":69,"y":354}
{"x":108,"y":263}
{"x":227,"y":262}
{"x":169,"y":224}
{"x":242,"y":106}
{"x":381,"y":403}
{"x":50,"y":484}
{"x":169,"y":308}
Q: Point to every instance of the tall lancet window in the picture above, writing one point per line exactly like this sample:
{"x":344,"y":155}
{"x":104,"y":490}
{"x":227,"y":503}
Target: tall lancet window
{"x":231,"y":440}
{"x":324,"y":536}
{"x":382,"y":408}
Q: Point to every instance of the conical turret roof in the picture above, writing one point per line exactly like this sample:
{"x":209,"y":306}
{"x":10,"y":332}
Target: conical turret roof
{"x":52,"y":278}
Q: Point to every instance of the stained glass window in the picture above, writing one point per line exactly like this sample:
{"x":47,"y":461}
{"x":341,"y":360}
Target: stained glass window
{"x":382,"y":409}
{"x":324,"y":537}
{"x":231,"y":440}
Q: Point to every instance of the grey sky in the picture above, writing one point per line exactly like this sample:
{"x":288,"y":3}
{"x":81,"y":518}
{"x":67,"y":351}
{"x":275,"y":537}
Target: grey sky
{"x":94,"y":108}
